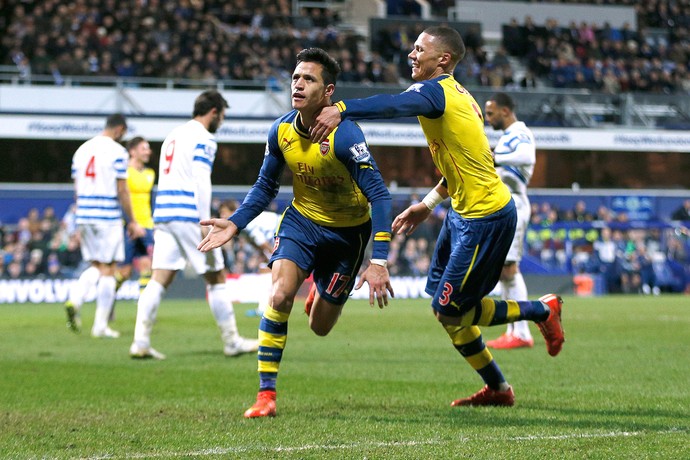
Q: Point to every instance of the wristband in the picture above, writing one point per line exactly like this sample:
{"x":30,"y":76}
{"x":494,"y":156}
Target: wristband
{"x":381,"y":262}
{"x":432,"y":199}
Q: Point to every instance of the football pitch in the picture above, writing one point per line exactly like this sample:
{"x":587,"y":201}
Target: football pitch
{"x":378,"y":387}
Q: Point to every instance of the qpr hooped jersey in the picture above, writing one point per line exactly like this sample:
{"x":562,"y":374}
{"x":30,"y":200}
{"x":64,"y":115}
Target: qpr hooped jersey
{"x":515,"y":155}
{"x":263,"y":227}
{"x":96,"y":166}
{"x":188,"y":148}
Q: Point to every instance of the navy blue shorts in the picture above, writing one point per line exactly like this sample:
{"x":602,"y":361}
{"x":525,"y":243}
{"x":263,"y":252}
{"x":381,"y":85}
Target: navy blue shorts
{"x":138,"y":247}
{"x":334,"y":254}
{"x":468,"y":259}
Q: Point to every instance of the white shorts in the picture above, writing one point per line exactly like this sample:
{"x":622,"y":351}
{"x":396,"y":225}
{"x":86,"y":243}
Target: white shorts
{"x":103,"y":243}
{"x":524,"y":213}
{"x":174,"y":244}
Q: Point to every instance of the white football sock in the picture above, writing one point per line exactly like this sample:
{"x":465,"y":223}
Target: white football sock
{"x":105,"y":296}
{"x":147,"y":309}
{"x":516,"y":289}
{"x":87,"y":281}
{"x":223,"y":312}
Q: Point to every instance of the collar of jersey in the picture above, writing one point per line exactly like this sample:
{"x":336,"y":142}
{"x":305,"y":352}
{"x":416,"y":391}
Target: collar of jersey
{"x":299,"y":129}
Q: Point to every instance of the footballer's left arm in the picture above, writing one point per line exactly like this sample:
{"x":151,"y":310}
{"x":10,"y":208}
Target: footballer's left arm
{"x":352,"y":150}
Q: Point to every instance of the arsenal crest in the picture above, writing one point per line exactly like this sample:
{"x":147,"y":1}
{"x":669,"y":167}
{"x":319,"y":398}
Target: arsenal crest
{"x":325,"y":147}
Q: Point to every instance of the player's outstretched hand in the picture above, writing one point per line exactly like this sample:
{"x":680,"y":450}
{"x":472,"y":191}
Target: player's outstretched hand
{"x":379,"y":284}
{"x":408,"y":220}
{"x":325,"y":122}
{"x":221,"y":231}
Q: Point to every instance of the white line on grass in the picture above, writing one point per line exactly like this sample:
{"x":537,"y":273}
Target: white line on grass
{"x":237,"y":450}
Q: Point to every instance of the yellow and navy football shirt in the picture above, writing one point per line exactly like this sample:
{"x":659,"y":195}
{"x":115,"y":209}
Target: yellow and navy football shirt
{"x":333,"y":182}
{"x":454,"y":129}
{"x":140,"y":184}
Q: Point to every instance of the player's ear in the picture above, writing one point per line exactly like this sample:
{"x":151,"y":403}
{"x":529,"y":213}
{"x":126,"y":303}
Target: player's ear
{"x":444,"y":60}
{"x":330,"y":89}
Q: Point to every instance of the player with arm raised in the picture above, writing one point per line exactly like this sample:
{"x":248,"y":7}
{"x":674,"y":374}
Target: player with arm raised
{"x":326,"y":228}
{"x":478,"y":229}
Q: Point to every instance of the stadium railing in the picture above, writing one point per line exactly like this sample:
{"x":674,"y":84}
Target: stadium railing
{"x":575,"y":108}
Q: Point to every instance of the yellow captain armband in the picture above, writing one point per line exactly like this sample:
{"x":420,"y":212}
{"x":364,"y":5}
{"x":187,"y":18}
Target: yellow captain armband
{"x":382,"y":236}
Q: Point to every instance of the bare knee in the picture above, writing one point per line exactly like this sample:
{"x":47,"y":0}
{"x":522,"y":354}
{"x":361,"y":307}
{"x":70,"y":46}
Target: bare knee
{"x":320,"y":329}
{"x":282,"y":301}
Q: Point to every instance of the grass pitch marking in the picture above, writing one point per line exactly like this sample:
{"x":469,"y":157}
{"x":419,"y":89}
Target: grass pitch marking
{"x":237,"y":450}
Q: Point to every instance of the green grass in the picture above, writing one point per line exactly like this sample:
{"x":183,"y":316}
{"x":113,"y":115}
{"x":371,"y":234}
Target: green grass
{"x":379,"y":386}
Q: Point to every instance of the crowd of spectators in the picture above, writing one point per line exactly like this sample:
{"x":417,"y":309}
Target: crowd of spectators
{"x":237,"y":40}
{"x":603,"y":58}
{"x":187,"y":39}
{"x":630,"y":258}
{"x":653,"y":58}
{"x":40,"y":245}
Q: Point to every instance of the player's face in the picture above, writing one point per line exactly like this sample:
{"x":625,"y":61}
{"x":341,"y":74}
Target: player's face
{"x":142,"y":152}
{"x":494,"y":115}
{"x":426,"y":58}
{"x":217,"y":120}
{"x":308,"y":88}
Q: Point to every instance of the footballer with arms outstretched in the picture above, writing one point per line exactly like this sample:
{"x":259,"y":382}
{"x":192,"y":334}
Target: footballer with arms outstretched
{"x":326,"y":228}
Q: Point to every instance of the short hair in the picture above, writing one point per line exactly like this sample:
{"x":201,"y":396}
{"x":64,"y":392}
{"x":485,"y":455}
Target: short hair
{"x":207,"y":101}
{"x":134,"y":142}
{"x":503,"y":100}
{"x":115,"y":120}
{"x":231,"y":205}
{"x":451,"y":41}
{"x":331,"y":68}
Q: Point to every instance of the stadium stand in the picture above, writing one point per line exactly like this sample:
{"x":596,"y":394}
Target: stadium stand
{"x":50,"y":41}
{"x":627,"y":255}
{"x":254,"y":43}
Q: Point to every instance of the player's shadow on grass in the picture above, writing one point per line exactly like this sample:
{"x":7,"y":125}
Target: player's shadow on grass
{"x":532,"y":418}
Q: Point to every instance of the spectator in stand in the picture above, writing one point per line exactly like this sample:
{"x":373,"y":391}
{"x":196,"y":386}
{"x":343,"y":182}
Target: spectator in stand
{"x":580,"y":213}
{"x":604,"y":214}
{"x":682,"y":212}
{"x":605,"y":250}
